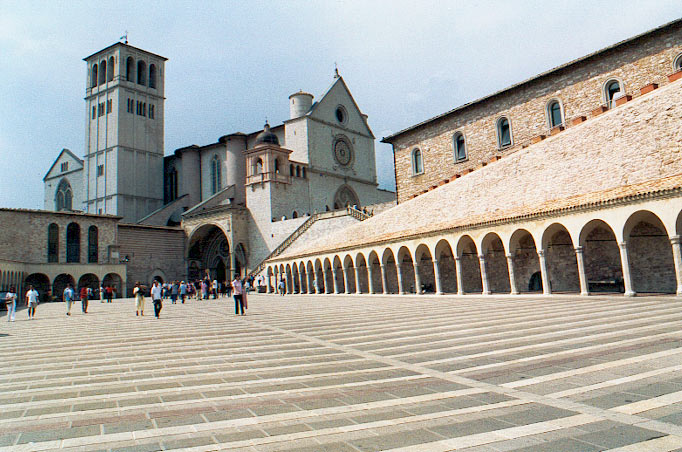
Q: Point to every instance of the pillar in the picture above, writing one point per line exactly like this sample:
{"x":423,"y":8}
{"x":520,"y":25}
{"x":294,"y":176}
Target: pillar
{"x":383,"y":280}
{"x":336,"y":281}
{"x":370,"y":279}
{"x":233,"y":265}
{"x":399,"y":272}
{"x":484,"y":275}
{"x":268,"y":280}
{"x":512,"y":275}
{"x":580,"y":259}
{"x":436,"y":276}
{"x":677,"y":258}
{"x":345,"y":278}
{"x":417,"y":279}
{"x":544,"y":273}
{"x":458,"y":270}
{"x":625,"y":261}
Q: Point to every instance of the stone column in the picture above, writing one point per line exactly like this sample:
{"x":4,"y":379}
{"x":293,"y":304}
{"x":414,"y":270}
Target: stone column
{"x":625,"y":262}
{"x":267,"y":284}
{"x":436,"y":276}
{"x":544,"y":273}
{"x":399,"y":272}
{"x":336,"y":281}
{"x":484,"y":275}
{"x":383,"y":280}
{"x":417,"y":279}
{"x":357,"y":280}
{"x":370,"y":279}
{"x":458,"y":270}
{"x":512,"y":275}
{"x":677,"y":258}
{"x":345,"y":278}
{"x":580,"y":259}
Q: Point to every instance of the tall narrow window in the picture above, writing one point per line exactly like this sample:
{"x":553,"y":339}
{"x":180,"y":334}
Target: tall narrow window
{"x":152,"y":76}
{"x":73,"y":243}
{"x":611,"y":88}
{"x":554,"y":114}
{"x":53,"y":243}
{"x":291,"y":170}
{"x":172,"y":185}
{"x":141,"y":73}
{"x":130,"y":69}
{"x":417,"y":162}
{"x":93,"y":245}
{"x":215,"y":175}
{"x":460,"y":147}
{"x":259,"y":166}
{"x":276,"y":166}
{"x":93,"y":76}
{"x":103,"y":72}
{"x":63,"y":196}
{"x":110,"y":69}
{"x":504,"y":137}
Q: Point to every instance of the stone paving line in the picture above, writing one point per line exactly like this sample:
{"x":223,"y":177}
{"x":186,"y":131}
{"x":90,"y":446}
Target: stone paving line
{"x":568,"y":323}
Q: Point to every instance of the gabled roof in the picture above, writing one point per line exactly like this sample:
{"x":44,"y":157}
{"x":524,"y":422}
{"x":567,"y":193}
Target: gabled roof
{"x":64,"y":151}
{"x":124,"y":45}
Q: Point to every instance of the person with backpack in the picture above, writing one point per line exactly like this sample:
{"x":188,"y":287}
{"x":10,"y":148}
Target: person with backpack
{"x":84,"y":299}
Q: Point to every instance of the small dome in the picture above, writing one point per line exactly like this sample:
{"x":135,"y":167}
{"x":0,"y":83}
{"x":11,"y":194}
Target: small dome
{"x":267,"y":137}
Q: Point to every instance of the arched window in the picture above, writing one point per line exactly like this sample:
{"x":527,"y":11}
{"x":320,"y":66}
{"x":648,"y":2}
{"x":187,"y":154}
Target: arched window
{"x":554,"y":114}
{"x":459,"y":146}
{"x":504,"y":136}
{"x":294,"y":214}
{"x":110,"y":69}
{"x":611,"y":88}
{"x":417,"y":162}
{"x":291,"y":170}
{"x":141,"y":73}
{"x":53,"y":243}
{"x":259,"y":166}
{"x":102,"y":72}
{"x":215,"y":174}
{"x":73,"y":243}
{"x":152,"y":76}
{"x":93,"y":245}
{"x":63,"y":196}
{"x":172,"y":185}
{"x":677,"y":63}
{"x":298,"y":171}
{"x":276,"y":166}
{"x":130,"y":69}
{"x":93,"y":76}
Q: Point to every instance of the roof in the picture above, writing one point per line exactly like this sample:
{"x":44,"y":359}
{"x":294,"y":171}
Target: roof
{"x":62,"y":212}
{"x":535,"y":78}
{"x":64,"y":151}
{"x":124,"y":45}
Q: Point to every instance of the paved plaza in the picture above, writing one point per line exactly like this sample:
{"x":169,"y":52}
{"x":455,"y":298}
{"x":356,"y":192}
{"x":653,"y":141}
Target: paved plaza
{"x":347,"y":373}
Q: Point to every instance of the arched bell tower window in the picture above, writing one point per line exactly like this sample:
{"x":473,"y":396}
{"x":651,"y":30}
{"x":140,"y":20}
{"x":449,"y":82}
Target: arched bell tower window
{"x":611,"y":89}
{"x":53,"y":243}
{"x":141,"y":73}
{"x":93,"y":245}
{"x":276,"y":166}
{"x":504,"y":135}
{"x":459,"y":146}
{"x":103,"y":72}
{"x":417,"y":162}
{"x":152,"y":76}
{"x":63,"y":196}
{"x":216,"y":178}
{"x":93,"y":76}
{"x":110,"y":69}
{"x":291,"y":170}
{"x":130,"y":69}
{"x":259,"y":166}
{"x":554,"y":114}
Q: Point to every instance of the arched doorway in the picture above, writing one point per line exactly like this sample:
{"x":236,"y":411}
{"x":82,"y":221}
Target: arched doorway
{"x":41,"y":283}
{"x":526,"y":261}
{"x":496,"y":267}
{"x":470,"y":268}
{"x":651,"y":258}
{"x":603,"y":268}
{"x":562,"y":264}
{"x":208,"y":249}
{"x":90,"y":281}
{"x":114,"y":281}
{"x":425,"y":268}
{"x":345,"y":197}
{"x":60,"y":283}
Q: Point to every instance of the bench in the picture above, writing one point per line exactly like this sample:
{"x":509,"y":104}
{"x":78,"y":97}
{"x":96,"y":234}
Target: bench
{"x":606,"y":285}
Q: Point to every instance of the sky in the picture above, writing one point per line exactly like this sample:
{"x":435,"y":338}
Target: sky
{"x":232,"y":64}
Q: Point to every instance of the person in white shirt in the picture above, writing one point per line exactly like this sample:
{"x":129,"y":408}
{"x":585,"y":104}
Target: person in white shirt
{"x":156,"y":298}
{"x":31,"y":301}
{"x":238,"y":292}
{"x":68,"y":298}
{"x":11,"y":303}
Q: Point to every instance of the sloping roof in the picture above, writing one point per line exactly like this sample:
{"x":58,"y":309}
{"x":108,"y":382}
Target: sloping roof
{"x":124,"y":45}
{"x":64,"y":151}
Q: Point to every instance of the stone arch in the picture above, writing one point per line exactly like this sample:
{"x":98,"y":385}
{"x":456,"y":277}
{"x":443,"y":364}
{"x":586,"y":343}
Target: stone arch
{"x":424,"y":261}
{"x":389,"y":262}
{"x":650,"y":255}
{"x":157,"y":275}
{"x":311,"y":275}
{"x":603,"y":269}
{"x":329,"y":276}
{"x":349,"y":274}
{"x":288,"y":279}
{"x":60,"y":283}
{"x":41,"y":283}
{"x":320,"y":277}
{"x":303,"y":274}
{"x":114,"y":281}
{"x":208,"y":247}
{"x":469,"y":266}
{"x":496,"y":268}
{"x":63,"y":196}
{"x":524,"y":252}
{"x":295,"y":278}
{"x":362,"y":274}
{"x":374,"y":263}
{"x":406,"y":280}
{"x":446,"y":266}
{"x":89,"y":280}
{"x":562,"y":265}
{"x":339,"y":283}
{"x":345,"y":196}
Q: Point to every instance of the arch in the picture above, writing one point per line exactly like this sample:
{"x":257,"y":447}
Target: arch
{"x":406,"y":274}
{"x":216,"y":176}
{"x":303,"y":274}
{"x":102,"y":78}
{"x":89,"y":280}
{"x":259,"y":166}
{"x":298,"y":171}
{"x":389,"y":262}
{"x":424,"y":261}
{"x":53,"y":243}
{"x":110,"y":69}
{"x":276,"y":166}
{"x":496,"y":267}
{"x":141,"y":73}
{"x":677,"y":63}
{"x":417,"y":160}
{"x":362,"y":274}
{"x":152,"y":76}
{"x":320,"y":277}
{"x":41,"y":283}
{"x":295,"y":279}
{"x":470,"y":268}
{"x":526,"y":261}
{"x":303,"y":172}
{"x":63,"y":198}
{"x":130,"y":69}
{"x":459,"y":147}
{"x":611,"y":88}
{"x":73,"y":243}
{"x":562,"y":265}
{"x":311,"y":275}
{"x":328,"y":276}
{"x":60,"y":283}
{"x":157,"y":275}
{"x":349,"y":275}
{"x":294,"y":214}
{"x":504,"y":132}
{"x":93,"y":245}
{"x":207,"y":246}
{"x":650,"y":255}
{"x":94,"y":77}
{"x":339,"y":283}
{"x":291,"y":170}
{"x":345,"y":196}
{"x":554,"y":111}
{"x":114,"y":281}
{"x":374,"y":263}
{"x":603,"y":268}
{"x":446,"y":266}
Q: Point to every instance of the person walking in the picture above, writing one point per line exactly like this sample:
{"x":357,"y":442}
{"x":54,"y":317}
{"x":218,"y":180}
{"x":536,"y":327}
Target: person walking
{"x":156,"y":299}
{"x":84,"y":299}
{"x":11,"y":303}
{"x":68,"y":298}
{"x":282,"y":287}
{"x":175,"y":291}
{"x":109,"y":292}
{"x":101,"y":294}
{"x":31,"y":301}
{"x":138,"y":293}
{"x":183,"y":291}
{"x":238,"y":291}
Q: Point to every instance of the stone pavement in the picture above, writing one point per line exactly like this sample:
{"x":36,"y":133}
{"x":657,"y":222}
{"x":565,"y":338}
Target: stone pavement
{"x":347,"y":373}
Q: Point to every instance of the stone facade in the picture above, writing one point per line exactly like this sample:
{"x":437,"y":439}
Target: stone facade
{"x":577,"y":86}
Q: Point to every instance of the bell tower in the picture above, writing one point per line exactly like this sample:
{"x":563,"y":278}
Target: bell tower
{"x":124,"y":132}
